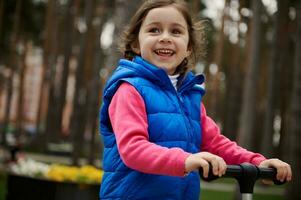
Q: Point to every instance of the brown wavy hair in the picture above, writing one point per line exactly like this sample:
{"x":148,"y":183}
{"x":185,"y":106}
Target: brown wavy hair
{"x":195,"y":30}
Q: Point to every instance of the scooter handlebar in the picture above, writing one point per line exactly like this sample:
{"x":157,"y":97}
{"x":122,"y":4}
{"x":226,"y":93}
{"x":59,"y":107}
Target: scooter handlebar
{"x":244,"y":171}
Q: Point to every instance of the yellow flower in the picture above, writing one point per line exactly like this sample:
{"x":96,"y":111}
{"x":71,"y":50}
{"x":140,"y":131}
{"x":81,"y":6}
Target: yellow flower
{"x":84,"y":174}
{"x":90,"y":174}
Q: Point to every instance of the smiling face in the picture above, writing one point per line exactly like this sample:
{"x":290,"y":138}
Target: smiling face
{"x":163,"y":38}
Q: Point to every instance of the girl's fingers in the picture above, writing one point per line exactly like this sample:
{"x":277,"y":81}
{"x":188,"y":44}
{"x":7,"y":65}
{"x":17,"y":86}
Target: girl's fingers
{"x":280,"y":173}
{"x":222,"y":168}
{"x":205,"y":165}
{"x":218,"y":164}
{"x":214,"y":165}
{"x":284,"y":172}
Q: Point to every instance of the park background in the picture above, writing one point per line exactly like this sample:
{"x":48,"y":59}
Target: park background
{"x":56,"y":55}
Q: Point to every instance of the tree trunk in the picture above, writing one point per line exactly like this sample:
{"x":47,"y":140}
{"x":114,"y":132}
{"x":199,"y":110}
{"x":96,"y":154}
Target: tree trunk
{"x":46,"y":51}
{"x":20,"y":115}
{"x":214,"y":79}
{"x":249,"y":94}
{"x":79,"y":117}
{"x":73,"y":11}
{"x":233,"y":94}
{"x":280,"y":42}
{"x":94,"y":85}
{"x":295,"y":128}
{"x":286,"y":80}
{"x":232,"y":102}
{"x":51,"y":131}
{"x":2,"y":4}
{"x":12,"y":65}
{"x":285,"y":99}
{"x":48,"y":71}
{"x":60,"y":99}
{"x":124,"y":10}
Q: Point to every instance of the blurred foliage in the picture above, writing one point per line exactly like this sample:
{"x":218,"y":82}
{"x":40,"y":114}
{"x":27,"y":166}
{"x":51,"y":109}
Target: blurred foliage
{"x":31,"y":24}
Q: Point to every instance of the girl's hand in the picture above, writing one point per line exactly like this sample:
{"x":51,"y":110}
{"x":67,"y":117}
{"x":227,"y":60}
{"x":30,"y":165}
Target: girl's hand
{"x":284,"y":172}
{"x":203,"y":159}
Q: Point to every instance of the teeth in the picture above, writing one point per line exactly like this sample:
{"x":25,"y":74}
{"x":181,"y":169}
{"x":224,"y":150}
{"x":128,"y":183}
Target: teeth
{"x":164,"y":51}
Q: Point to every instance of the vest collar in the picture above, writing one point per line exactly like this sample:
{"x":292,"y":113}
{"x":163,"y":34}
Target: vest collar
{"x":143,"y":68}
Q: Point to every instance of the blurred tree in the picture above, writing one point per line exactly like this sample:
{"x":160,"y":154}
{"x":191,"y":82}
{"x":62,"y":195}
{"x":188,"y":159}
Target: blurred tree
{"x":13,"y":37}
{"x":286,"y":80}
{"x":295,"y":119}
{"x":278,"y":53}
{"x":57,"y":97}
{"x":214,"y":92}
{"x":31,"y":13}
{"x":103,"y":10}
{"x":234,"y":68}
{"x":79,"y":117}
{"x":2,"y":79}
{"x":245,"y":133}
{"x":21,"y":71}
{"x":12,"y":66}
{"x":50,"y":56}
{"x":122,"y":13}
{"x":2,"y":2}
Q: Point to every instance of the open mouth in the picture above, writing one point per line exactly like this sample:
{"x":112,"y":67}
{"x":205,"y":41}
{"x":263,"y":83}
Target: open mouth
{"x":164,"y":52}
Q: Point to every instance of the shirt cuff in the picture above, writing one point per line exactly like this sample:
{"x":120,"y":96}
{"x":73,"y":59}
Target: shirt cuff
{"x":180,"y":170}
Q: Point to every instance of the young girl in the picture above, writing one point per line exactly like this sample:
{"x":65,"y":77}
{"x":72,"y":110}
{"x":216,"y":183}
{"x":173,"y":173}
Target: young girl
{"x":155,"y":128}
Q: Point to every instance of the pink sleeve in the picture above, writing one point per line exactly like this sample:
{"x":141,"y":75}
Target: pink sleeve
{"x":129,"y":121}
{"x":214,"y":142}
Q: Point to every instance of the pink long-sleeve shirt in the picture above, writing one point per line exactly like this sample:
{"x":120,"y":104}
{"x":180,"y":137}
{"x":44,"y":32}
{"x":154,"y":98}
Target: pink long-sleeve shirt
{"x":129,"y":121}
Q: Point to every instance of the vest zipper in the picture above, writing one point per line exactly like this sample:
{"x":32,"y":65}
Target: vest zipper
{"x":187,"y":125}
{"x":180,"y":103}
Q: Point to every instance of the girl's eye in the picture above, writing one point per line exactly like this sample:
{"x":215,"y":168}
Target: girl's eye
{"x":154,"y":30}
{"x":176,"y":31}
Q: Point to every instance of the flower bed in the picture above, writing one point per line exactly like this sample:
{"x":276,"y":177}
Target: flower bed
{"x":56,"y":172}
{"x":32,"y":180}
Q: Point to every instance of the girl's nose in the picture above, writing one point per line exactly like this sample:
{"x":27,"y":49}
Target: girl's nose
{"x":165,"y":37}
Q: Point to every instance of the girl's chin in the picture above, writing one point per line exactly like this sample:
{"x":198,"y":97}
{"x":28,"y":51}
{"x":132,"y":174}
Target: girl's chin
{"x":164,"y":57}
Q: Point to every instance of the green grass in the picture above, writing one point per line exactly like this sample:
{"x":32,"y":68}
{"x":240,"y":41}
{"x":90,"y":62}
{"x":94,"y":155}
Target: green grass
{"x":267,"y":197}
{"x":216,"y":195}
{"x":212,"y":195}
{"x":2,"y":186}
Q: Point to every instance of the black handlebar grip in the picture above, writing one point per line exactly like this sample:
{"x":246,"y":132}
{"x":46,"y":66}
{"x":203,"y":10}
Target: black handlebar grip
{"x":270,"y":173}
{"x":233,"y":171}
{"x":236,"y":171}
{"x":210,"y":177}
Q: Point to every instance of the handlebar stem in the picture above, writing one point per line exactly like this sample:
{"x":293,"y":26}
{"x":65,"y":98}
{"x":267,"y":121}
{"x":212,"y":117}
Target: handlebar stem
{"x":249,"y":175}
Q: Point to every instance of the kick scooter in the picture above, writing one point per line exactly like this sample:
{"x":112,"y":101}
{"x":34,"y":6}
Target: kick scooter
{"x":246,"y":175}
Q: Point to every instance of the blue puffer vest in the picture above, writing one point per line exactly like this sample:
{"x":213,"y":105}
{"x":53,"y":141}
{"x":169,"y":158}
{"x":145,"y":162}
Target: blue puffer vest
{"x":173,"y":121}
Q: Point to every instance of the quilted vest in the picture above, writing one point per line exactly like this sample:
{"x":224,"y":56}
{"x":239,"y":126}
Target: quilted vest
{"x":173,"y":121}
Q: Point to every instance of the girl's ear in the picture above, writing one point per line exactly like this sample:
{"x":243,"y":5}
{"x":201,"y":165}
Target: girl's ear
{"x":136,"y":47}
